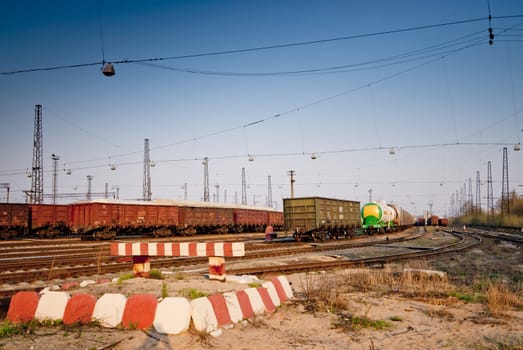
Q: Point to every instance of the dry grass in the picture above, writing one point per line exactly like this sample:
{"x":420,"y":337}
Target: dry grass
{"x":500,"y":299}
{"x":330,"y":292}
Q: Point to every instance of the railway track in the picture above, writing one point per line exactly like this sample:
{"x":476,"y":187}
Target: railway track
{"x":44,"y":262}
{"x":465,"y":242}
{"x":253,"y":254}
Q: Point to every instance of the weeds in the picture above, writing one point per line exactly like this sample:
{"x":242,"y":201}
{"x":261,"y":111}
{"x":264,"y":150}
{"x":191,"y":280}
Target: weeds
{"x":354,"y":323}
{"x":513,"y":343}
{"x":156,"y":274}
{"x":396,"y":318}
{"x":499,"y":299}
{"x":192,"y":293}
{"x":165,"y":291}
{"x":124,"y":278}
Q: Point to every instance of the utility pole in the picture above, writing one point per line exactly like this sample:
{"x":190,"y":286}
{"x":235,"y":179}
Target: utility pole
{"x":37,"y":175}
{"x":55,"y":159}
{"x":6,"y":186}
{"x":205,"y":179}
{"x":370,"y":195}
{"x":269,"y":193}
{"x":478,"y":193}
{"x":185,"y":191}
{"x":469,"y":198}
{"x":244,"y":188}
{"x":505,"y":200}
{"x":292,"y":173}
{"x":89,"y":186}
{"x":490,"y":193}
{"x":146,"y":172}
{"x":217,"y":193}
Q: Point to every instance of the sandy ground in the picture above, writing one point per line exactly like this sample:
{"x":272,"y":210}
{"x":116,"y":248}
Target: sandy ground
{"x":428,"y":322}
{"x":434,"y":323}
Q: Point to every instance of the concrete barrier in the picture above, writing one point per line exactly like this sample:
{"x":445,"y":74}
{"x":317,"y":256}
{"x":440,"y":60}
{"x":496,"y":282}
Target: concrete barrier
{"x":139,"y":311}
{"x":22,"y":307}
{"x":203,"y":316}
{"x":79,"y":309}
{"x":109,"y":309}
{"x":173,"y":315}
{"x":52,"y":306}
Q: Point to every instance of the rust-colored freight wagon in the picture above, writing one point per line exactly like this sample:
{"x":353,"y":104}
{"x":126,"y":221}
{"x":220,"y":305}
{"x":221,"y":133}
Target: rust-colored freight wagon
{"x":276,"y":220}
{"x":433,"y":220}
{"x":195,"y":219}
{"x":50,"y":220}
{"x":251,"y":220}
{"x":105,"y":220}
{"x":14,"y":220}
{"x":320,"y":218}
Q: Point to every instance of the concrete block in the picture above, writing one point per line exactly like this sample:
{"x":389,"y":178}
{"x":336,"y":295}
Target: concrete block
{"x":203,"y":315}
{"x":139,"y":311}
{"x":52,"y":306}
{"x":22,"y":307}
{"x":109,"y":309}
{"x":173,"y":315}
{"x":79,"y":309}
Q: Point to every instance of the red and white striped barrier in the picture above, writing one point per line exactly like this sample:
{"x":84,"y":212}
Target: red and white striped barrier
{"x":178,"y":249}
{"x":142,"y":251}
{"x":141,"y":311}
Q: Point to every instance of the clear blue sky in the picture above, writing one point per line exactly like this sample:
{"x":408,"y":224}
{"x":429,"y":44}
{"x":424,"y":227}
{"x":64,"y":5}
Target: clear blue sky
{"x":445,"y":100}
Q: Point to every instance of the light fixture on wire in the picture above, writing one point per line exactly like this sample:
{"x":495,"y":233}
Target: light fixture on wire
{"x":251,"y":158}
{"x":392,"y":151}
{"x":517,"y":147}
{"x":314,"y":156}
{"x":108,"y":70}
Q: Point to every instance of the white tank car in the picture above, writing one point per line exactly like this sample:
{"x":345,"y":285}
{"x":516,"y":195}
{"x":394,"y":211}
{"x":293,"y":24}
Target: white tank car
{"x":389,"y":213}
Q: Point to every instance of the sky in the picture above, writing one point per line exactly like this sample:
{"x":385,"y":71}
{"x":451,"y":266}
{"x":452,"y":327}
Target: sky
{"x":266,"y":86}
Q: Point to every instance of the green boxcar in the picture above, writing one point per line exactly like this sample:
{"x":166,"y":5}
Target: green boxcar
{"x":320,"y":218}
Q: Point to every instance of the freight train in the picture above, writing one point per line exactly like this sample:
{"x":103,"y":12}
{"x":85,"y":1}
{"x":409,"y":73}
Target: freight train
{"x":317,"y":218}
{"x":384,"y":217}
{"x":108,"y":219}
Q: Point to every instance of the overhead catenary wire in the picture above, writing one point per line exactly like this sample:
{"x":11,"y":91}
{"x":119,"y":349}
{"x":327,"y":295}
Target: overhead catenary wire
{"x":262,"y":48}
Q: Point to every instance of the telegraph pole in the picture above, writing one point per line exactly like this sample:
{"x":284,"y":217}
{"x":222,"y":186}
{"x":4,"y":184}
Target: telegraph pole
{"x":269,"y":193}
{"x":478,"y":193}
{"x":244,"y":188}
{"x":292,"y":173}
{"x":55,"y":159}
{"x":89,"y":186}
{"x":490,"y":193}
{"x":205,"y":179}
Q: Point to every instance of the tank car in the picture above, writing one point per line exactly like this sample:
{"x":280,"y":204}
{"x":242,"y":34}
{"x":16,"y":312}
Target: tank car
{"x":380,"y":216}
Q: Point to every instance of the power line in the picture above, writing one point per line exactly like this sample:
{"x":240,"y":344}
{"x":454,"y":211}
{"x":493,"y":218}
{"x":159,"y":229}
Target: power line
{"x":262,"y":48}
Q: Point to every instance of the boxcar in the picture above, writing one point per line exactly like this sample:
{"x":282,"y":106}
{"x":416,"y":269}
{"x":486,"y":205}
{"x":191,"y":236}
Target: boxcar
{"x":320,"y":218}
{"x":107,"y":219}
{"x":14,"y":220}
{"x":49,"y":220}
{"x":205,"y":219}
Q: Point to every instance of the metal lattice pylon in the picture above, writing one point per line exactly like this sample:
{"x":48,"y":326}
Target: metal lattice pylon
{"x":490,"y":192}
{"x":478,"y":193}
{"x":37,"y":175}
{"x":505,"y":209}
{"x":146,"y":172}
